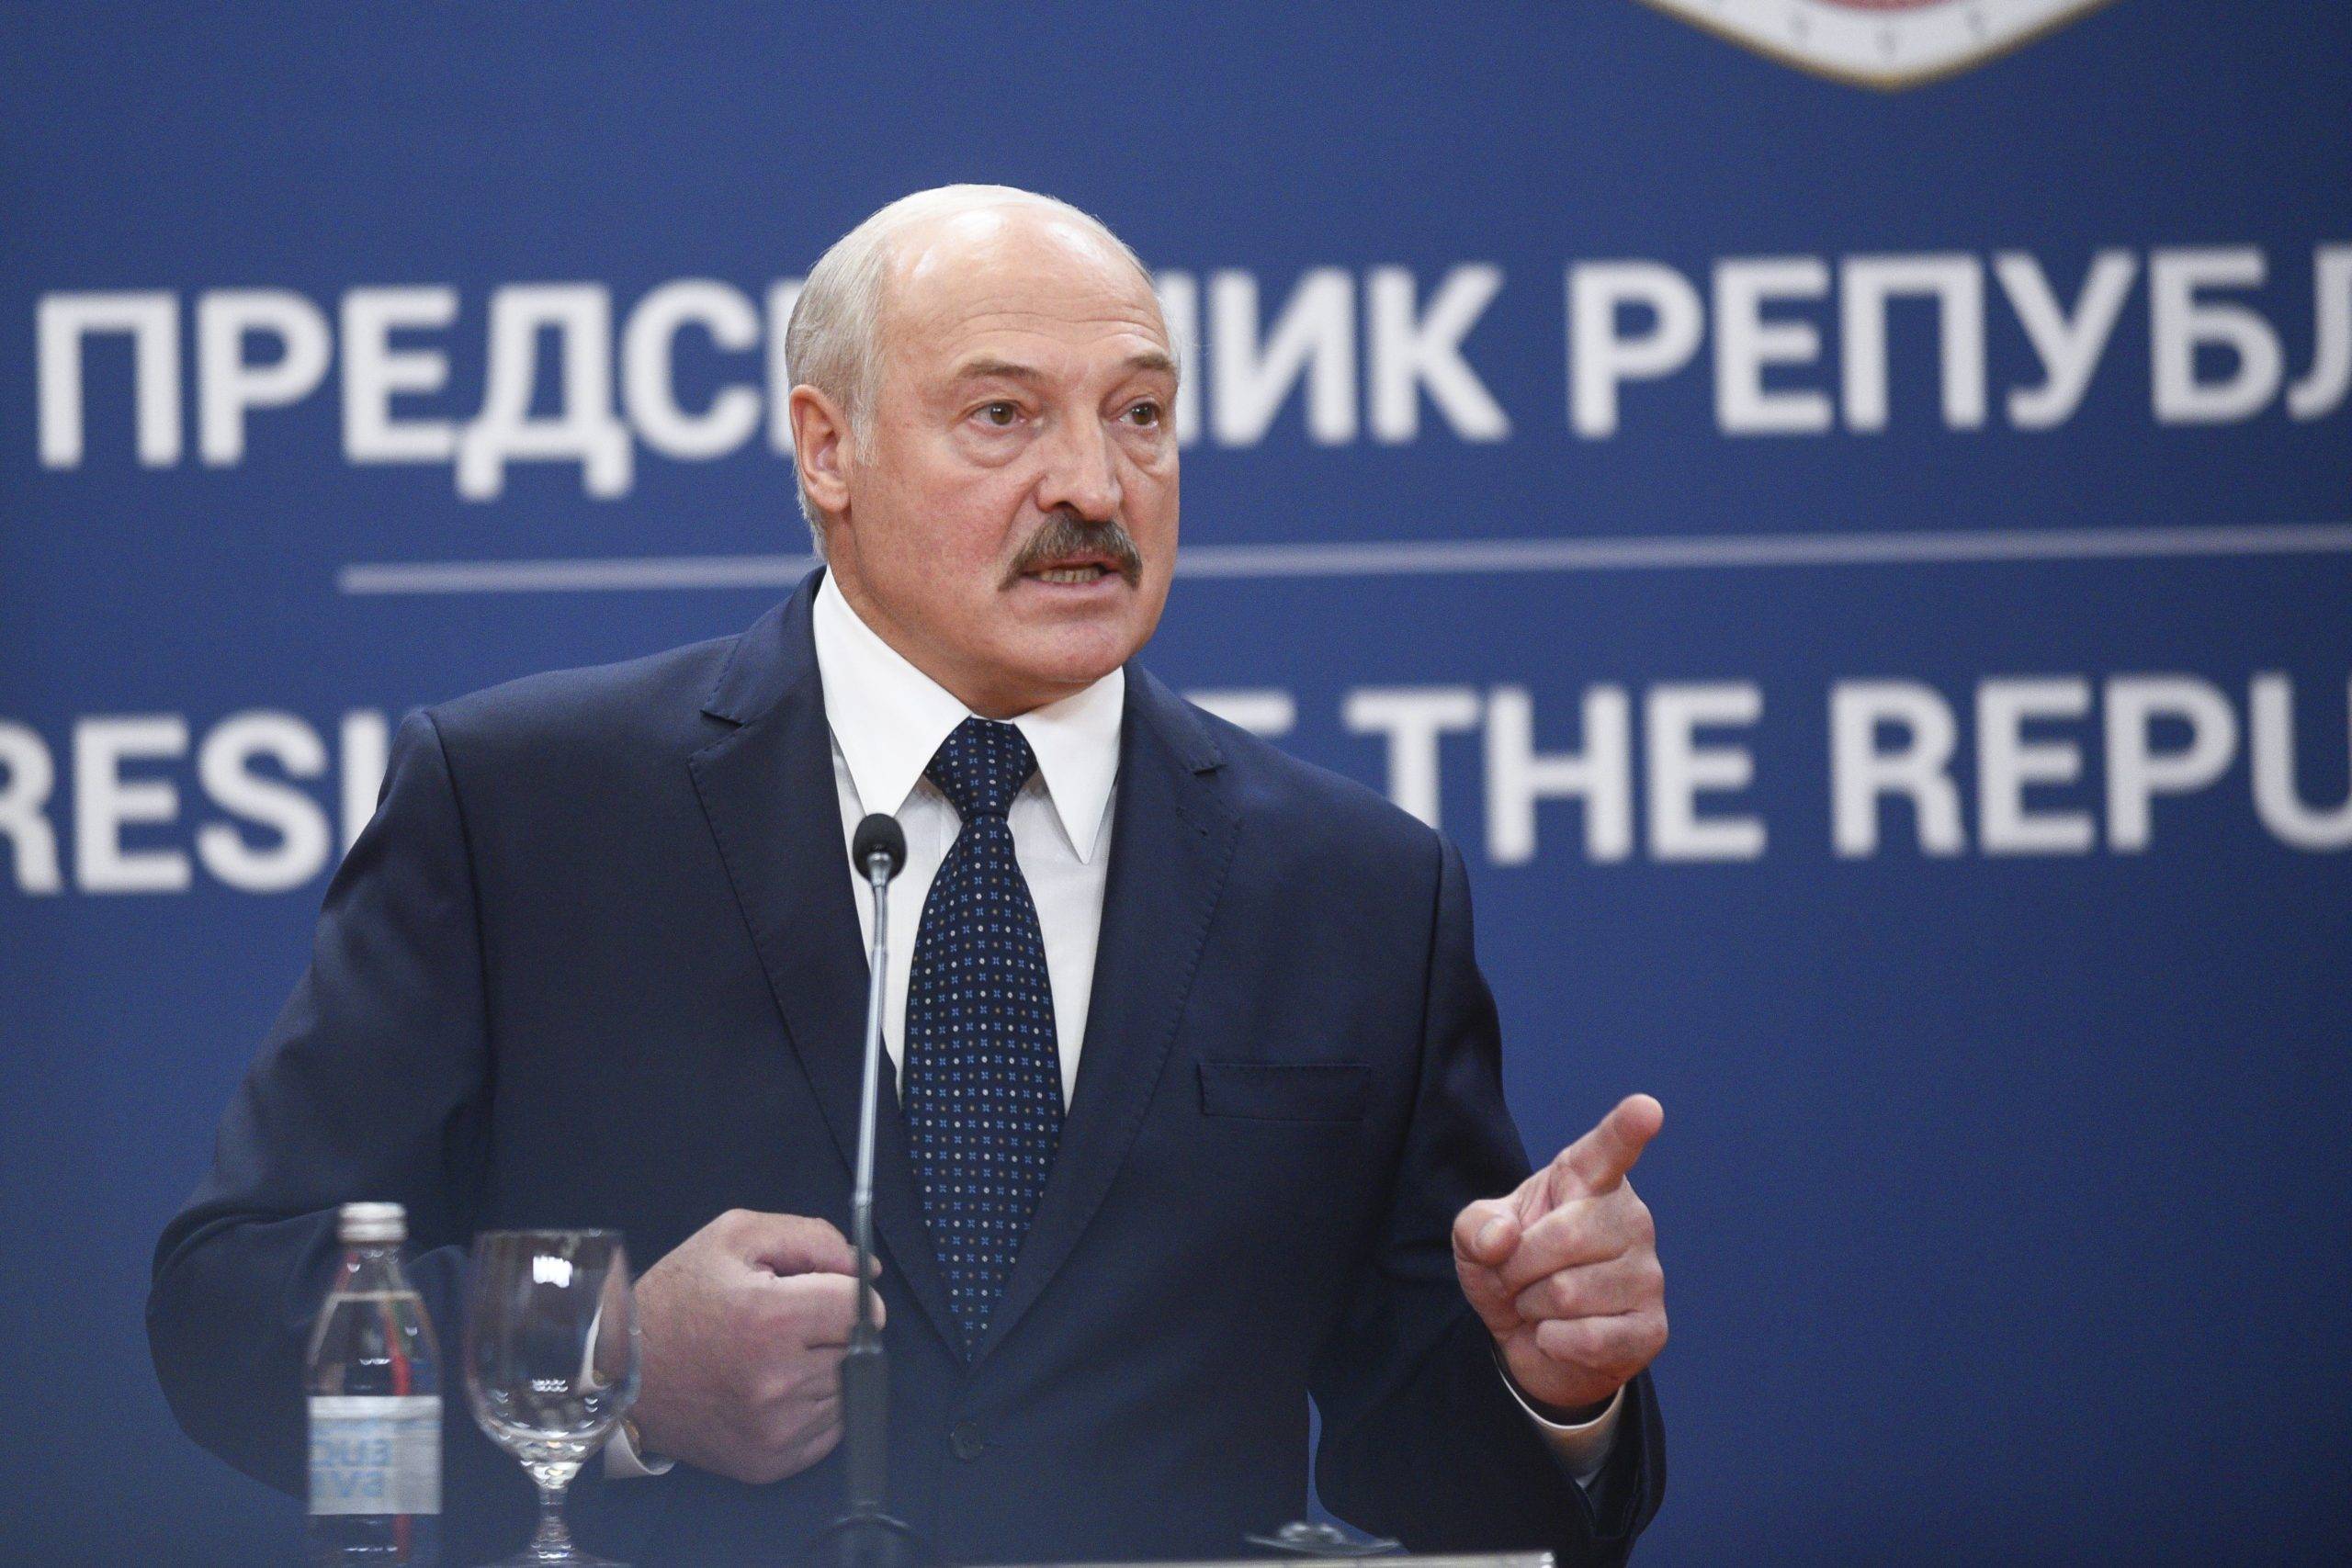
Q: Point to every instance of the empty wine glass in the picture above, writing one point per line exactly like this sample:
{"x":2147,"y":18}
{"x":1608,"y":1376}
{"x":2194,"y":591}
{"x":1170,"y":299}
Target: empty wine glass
{"x":551,"y":1357}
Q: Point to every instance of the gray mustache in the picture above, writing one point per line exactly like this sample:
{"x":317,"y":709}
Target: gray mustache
{"x":1066,"y":535}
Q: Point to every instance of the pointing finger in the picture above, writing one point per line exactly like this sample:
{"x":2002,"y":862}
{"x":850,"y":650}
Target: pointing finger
{"x":1597,"y":1162}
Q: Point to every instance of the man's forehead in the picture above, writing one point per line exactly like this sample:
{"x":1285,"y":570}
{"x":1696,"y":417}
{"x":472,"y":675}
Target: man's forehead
{"x":994,"y":276}
{"x":986,"y":363}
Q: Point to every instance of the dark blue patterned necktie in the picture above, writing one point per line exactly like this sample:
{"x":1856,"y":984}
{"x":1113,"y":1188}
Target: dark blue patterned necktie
{"x":983,"y":1082}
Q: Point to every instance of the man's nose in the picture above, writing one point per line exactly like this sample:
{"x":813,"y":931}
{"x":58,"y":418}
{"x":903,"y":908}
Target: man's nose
{"x":1081,"y":472}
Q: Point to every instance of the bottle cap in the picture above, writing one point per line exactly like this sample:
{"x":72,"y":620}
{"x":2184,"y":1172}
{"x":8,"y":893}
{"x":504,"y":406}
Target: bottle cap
{"x":362,"y":1222}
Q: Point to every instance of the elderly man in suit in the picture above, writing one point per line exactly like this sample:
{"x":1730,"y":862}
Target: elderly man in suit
{"x":1194,"y":1105}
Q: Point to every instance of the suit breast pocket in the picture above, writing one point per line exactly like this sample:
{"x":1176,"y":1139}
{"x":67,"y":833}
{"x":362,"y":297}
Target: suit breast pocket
{"x":1285,"y":1091}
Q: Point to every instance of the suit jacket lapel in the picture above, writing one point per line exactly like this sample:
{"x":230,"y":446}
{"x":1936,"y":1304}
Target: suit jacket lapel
{"x":1171,"y":842}
{"x":767,"y":789}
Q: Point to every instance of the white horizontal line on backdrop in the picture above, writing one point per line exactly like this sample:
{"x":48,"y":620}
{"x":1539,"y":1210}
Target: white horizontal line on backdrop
{"x":1420,"y":558}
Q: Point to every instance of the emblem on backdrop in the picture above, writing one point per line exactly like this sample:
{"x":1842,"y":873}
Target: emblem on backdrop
{"x":1879,"y":43}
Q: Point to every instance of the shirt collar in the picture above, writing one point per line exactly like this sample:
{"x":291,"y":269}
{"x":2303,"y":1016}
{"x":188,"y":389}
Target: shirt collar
{"x":889,"y":718}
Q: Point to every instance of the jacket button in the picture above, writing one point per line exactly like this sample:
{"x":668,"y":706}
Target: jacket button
{"x":966,"y":1440}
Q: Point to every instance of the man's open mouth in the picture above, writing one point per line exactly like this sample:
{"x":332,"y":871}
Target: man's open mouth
{"x":1065,"y":553}
{"x":1077,"y":570}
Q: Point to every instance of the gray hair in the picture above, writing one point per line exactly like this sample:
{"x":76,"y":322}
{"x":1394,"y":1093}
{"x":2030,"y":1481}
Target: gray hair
{"x":835,"y":340}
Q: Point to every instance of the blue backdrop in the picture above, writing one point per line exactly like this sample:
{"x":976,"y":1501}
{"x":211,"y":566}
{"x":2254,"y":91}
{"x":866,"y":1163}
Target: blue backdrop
{"x":1863,"y":573}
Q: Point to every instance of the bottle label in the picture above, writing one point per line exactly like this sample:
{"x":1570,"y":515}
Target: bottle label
{"x":376,"y":1454}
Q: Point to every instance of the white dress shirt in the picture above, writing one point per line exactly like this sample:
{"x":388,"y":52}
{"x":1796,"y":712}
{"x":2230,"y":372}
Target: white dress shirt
{"x":887,"y":719}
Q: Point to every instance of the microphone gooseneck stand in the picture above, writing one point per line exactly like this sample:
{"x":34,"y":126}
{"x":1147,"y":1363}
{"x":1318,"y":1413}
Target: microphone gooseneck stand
{"x":865,"y":1535}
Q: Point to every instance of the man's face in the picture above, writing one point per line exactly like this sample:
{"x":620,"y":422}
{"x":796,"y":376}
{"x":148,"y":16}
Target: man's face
{"x":1010,"y":517}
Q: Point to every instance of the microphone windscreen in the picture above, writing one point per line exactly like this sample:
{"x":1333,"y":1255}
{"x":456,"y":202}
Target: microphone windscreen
{"x":879,"y":834}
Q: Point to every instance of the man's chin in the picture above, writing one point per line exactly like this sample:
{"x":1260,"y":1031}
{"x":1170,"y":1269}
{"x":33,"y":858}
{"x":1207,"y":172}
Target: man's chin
{"x":1072,"y":654}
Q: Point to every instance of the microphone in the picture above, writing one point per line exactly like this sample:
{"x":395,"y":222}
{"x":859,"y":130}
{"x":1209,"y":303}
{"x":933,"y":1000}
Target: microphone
{"x":866,"y":1536}
{"x":879,"y":837}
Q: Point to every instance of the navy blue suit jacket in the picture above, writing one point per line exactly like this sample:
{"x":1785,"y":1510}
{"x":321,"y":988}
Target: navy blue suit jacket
{"x":595,"y":962}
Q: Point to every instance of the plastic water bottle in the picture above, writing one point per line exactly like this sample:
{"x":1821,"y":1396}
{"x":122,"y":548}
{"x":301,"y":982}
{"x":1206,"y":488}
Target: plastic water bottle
{"x":375,"y":1385}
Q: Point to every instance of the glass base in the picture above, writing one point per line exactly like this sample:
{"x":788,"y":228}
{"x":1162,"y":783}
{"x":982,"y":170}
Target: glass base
{"x":566,"y":1556}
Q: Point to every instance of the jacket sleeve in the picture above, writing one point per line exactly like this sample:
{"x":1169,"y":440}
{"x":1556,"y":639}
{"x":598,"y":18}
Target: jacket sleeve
{"x":1421,"y":1438}
{"x":372,"y":1084}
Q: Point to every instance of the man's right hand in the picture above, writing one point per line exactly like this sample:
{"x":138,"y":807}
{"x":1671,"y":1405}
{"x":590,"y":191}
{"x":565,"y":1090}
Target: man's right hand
{"x":741,"y":1334}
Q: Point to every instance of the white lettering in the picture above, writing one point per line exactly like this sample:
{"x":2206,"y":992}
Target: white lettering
{"x":1518,"y":776}
{"x":2136,"y":772}
{"x":2007,"y":762}
{"x":2069,"y":348}
{"x":227,"y":383}
{"x":30,"y":774}
{"x":1957,"y":285}
{"x":1314,"y":337}
{"x":1919,"y":770}
{"x":152,"y":319}
{"x":1678,"y":768}
{"x":1745,"y":343}
{"x":1599,"y":359}
{"x":104,"y":802}
{"x":1266,"y":710}
{"x":2181,"y":323}
{"x":374,"y":373}
{"x":585,"y":432}
{"x":2331,"y":375}
{"x":2277,"y":798}
{"x":649,"y":390}
{"x":224,"y":764}
{"x":1409,"y":353}
{"x":366,"y":750}
{"x":1412,"y":717}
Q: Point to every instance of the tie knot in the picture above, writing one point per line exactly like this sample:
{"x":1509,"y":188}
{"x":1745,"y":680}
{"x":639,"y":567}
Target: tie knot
{"x":981,"y":767}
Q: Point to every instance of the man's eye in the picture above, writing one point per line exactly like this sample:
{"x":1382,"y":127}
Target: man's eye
{"x":1001,"y":414}
{"x":1149,"y":412}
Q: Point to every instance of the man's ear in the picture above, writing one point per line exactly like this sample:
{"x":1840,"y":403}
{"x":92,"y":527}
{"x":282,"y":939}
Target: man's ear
{"x":821,"y":448}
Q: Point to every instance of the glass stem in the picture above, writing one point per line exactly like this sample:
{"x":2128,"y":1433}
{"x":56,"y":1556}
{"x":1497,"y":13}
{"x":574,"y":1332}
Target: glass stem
{"x":552,"y":1541}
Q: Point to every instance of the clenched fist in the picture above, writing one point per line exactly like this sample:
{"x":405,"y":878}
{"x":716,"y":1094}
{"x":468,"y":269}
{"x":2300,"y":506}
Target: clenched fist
{"x":742,"y":1330}
{"x":1564,"y":1272}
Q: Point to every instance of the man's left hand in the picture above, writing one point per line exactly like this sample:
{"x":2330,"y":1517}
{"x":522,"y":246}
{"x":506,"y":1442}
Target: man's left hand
{"x":1564,"y":1272}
